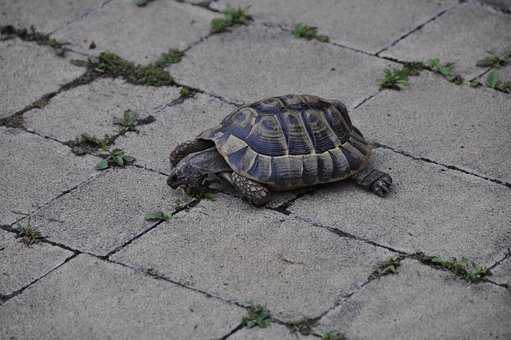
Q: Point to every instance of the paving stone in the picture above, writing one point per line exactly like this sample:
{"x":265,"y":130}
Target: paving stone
{"x":174,"y":125}
{"x":47,"y":16}
{"x":257,"y":61}
{"x":274,"y":332}
{"x":502,"y":273}
{"x":36,"y":70}
{"x":423,"y":303}
{"x":89,"y":298}
{"x":461,"y":36}
{"x":105,"y":213}
{"x":357,"y":24}
{"x":20,"y":264}
{"x":238,"y":252}
{"x":92,"y":108}
{"x":432,"y":209}
{"x":34,"y":171}
{"x":149,"y":31}
{"x":455,"y":125}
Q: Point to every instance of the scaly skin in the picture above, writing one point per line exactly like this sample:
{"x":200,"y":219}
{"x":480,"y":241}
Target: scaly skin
{"x":374,"y":180}
{"x":253,"y":192}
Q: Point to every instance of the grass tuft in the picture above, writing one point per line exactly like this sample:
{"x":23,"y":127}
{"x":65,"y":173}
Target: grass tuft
{"x":258,"y":315}
{"x":387,"y":267}
{"x":309,"y":32}
{"x":27,"y":234}
{"x":493,"y":82}
{"x":446,"y":70}
{"x":232,"y":17}
{"x":464,"y":268}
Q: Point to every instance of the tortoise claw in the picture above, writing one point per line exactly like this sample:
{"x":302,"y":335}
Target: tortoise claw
{"x":382,"y":186}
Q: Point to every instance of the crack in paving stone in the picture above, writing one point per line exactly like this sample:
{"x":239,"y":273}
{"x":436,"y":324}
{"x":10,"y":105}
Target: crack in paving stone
{"x":5,"y":298}
{"x":506,"y":256}
{"x":415,"y":29}
{"x":450,"y":167}
{"x":32,"y":35}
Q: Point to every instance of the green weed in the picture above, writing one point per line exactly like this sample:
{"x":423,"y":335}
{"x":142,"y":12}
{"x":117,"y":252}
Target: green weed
{"x":115,"y":157}
{"x":309,"y":32}
{"x":27,"y":234}
{"x":495,"y":60}
{"x":88,"y":144}
{"x":258,"y":316}
{"x":464,"y":268}
{"x":232,"y":17}
{"x":332,"y":336}
{"x":304,"y":327}
{"x":446,"y":70}
{"x":394,"y":79}
{"x":157,"y":216}
{"x":171,"y":57}
{"x":493,"y":81}
{"x":387,"y":267}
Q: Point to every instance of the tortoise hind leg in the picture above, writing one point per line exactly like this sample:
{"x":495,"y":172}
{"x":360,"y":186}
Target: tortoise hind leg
{"x":374,"y":180}
{"x":253,"y":192}
{"x":186,"y":148}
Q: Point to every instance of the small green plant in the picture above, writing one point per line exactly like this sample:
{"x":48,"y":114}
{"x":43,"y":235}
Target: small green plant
{"x":185,"y":92}
{"x":464,"y":268}
{"x":495,"y":60}
{"x":332,"y":336}
{"x":115,"y":157}
{"x":446,"y":70}
{"x":493,"y":81}
{"x":304,"y":327}
{"x":157,"y":216}
{"x":258,"y":316}
{"x":232,"y":17}
{"x":173,"y":56}
{"x":112,"y":65}
{"x":387,"y":267}
{"x":88,"y":144}
{"x":128,"y":122}
{"x":308,"y":32}
{"x":394,"y":79}
{"x":27,"y":234}
{"x":475,"y":83}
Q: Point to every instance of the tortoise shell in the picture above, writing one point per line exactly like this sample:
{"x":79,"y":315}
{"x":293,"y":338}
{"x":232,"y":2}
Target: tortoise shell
{"x":291,"y":141}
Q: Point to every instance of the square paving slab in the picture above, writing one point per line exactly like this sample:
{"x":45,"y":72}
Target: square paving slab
{"x":28,"y":72}
{"x":21,"y":264}
{"x":256,"y":61}
{"x":455,"y":125}
{"x":461,"y":36}
{"x":354,"y":23}
{"x":47,"y":16}
{"x":91,"y":108}
{"x":174,"y":125}
{"x":431,"y":209}
{"x":241,"y":253}
{"x":91,"y":299}
{"x":106,"y":212}
{"x":423,"y":303}
{"x":138,"y":34}
{"x":502,"y":273}
{"x":34,"y":171}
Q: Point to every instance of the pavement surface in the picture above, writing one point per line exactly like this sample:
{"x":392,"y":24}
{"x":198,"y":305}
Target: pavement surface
{"x":79,"y":260}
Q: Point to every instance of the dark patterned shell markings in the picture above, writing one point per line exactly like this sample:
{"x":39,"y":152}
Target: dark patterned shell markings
{"x":291,"y":142}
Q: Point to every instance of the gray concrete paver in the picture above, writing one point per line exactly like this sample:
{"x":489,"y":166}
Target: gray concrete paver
{"x":461,"y":36}
{"x":31,"y":72}
{"x":431,"y":209}
{"x":47,"y":16}
{"x":454,"y":125}
{"x":35,"y":170}
{"x":422,"y":303}
{"x":106,"y":212}
{"x":174,"y":125}
{"x":91,"y":108}
{"x":502,"y":273}
{"x":138,"y":34}
{"x":89,"y":298}
{"x":256,"y":61}
{"x":20,"y":264}
{"x":274,"y":332}
{"x":235,"y":251}
{"x":356,"y":24}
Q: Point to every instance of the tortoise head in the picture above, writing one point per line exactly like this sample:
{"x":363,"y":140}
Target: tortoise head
{"x":187,"y":175}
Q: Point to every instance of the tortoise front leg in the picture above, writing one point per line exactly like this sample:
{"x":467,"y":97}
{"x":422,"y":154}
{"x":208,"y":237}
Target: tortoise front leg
{"x":374,"y":180}
{"x":253,"y":192}
{"x":186,"y":148}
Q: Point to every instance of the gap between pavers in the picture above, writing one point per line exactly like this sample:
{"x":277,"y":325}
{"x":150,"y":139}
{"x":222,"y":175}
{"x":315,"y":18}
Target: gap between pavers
{"x":423,"y":303}
{"x":356,"y":24}
{"x":244,"y":254}
{"x":256,"y":61}
{"x":431,"y":209}
{"x":88,"y":297}
{"x":461,"y":36}
{"x":28,"y":72}
{"x":453,"y":125}
{"x":107,"y":212}
{"x":21,"y":264}
{"x":34,"y":171}
{"x":273,"y":332}
{"x":138,"y":34}
{"x":91,"y":108}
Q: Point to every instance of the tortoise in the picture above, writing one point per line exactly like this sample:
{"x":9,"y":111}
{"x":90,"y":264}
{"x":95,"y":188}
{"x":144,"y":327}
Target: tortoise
{"x":279,"y":144}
